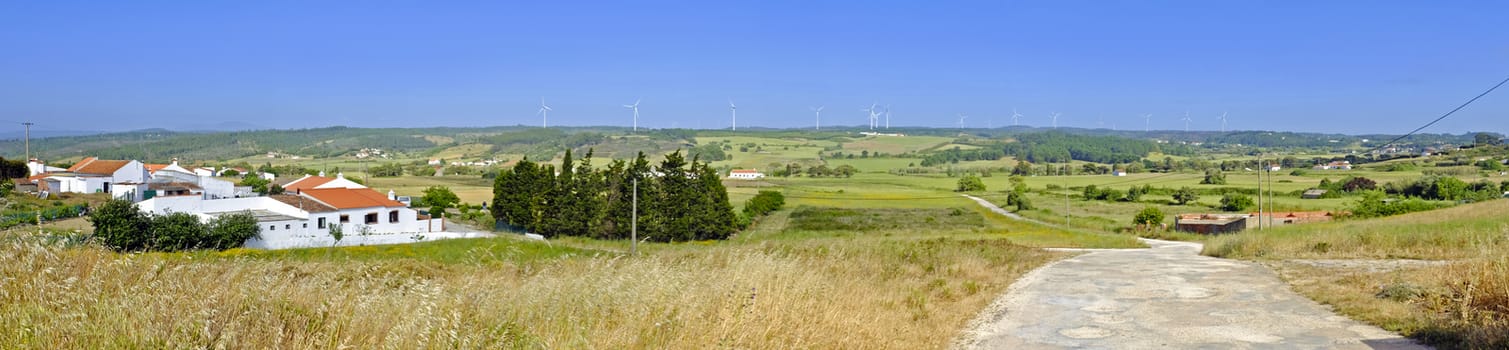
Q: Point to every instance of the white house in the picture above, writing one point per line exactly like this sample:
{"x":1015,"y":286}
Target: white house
{"x":174,"y":177}
{"x":306,"y":218}
{"x":91,"y":175}
{"x":36,"y":167}
{"x":743,"y":174}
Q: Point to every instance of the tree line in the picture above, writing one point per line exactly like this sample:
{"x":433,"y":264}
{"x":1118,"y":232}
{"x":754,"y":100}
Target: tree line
{"x":678,"y":200}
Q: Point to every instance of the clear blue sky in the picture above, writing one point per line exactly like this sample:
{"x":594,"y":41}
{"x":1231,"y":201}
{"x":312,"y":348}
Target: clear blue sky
{"x":1326,"y":66}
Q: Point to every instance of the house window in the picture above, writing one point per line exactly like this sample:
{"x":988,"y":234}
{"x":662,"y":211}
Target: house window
{"x":287,"y":226}
{"x":345,"y":219}
{"x":272,"y":227}
{"x":306,"y":225}
{"x":321,"y":223}
{"x":393,"y":216}
{"x":371,"y":218}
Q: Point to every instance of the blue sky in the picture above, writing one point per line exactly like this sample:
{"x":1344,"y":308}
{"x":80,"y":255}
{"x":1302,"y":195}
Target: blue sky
{"x":1327,"y":66}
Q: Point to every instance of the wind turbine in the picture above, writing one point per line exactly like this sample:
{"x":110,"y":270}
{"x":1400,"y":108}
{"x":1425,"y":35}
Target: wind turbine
{"x":544,"y":114}
{"x":1223,"y":121}
{"x":1147,"y":122}
{"x":1186,"y":121}
{"x":734,"y":111}
{"x":1015,"y":117}
{"x":1055,"y":119}
{"x":962,"y":117}
{"x":888,"y":117}
{"x":819,"y":112}
{"x":635,"y":107}
{"x":871,"y":110}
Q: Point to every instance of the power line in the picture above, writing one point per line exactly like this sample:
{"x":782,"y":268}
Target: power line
{"x":1443,"y":116}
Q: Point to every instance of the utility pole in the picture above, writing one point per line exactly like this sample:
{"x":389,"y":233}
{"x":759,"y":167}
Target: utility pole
{"x":1260,"y":191}
{"x":28,"y":140}
{"x":634,"y":222}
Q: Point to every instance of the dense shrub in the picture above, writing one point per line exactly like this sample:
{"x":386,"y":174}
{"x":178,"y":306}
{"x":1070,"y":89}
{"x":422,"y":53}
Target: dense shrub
{"x":1149,"y":216}
{"x":1377,"y":204}
{"x":764,"y":203}
{"x":1236,"y":202}
{"x":120,"y":225}
{"x":970,"y":183}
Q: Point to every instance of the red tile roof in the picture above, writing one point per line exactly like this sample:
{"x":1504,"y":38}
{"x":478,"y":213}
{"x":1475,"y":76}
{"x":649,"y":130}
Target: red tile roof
{"x":304,"y":203}
{"x":152,"y":168}
{"x":306,"y":183}
{"x":351,"y":198}
{"x":96,"y":166}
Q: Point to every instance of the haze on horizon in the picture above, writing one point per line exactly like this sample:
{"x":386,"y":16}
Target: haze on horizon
{"x":1332,"y":67}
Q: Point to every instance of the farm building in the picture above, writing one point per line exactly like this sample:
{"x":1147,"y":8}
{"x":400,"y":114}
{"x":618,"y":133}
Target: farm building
{"x":1211,"y":224}
{"x":743,"y":174}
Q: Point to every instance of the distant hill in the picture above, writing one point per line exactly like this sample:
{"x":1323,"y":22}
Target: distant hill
{"x":206,"y":143}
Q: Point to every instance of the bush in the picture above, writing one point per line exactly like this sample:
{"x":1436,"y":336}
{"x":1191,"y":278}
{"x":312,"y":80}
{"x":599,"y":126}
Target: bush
{"x":763,"y":203}
{"x":121,"y":226}
{"x":1185,"y":195}
{"x":1213,"y":177}
{"x":1236,"y":202}
{"x":1376,"y":204}
{"x":118,"y":224}
{"x":970,"y":183}
{"x":1149,"y":216}
{"x":231,"y":230}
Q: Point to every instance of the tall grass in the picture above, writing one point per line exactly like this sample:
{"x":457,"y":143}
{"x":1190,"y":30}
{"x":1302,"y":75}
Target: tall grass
{"x":900,"y":293}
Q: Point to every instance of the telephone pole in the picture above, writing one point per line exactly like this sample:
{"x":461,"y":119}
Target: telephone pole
{"x":28,"y":140}
{"x":634,"y":222}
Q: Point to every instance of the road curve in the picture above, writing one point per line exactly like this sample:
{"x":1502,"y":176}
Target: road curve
{"x":1164,"y":297}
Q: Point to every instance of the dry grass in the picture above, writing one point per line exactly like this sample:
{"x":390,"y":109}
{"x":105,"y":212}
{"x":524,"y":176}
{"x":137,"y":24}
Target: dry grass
{"x":802,"y":294}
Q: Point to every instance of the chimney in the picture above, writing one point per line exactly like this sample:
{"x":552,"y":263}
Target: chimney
{"x":175,"y":161}
{"x":340,"y":175}
{"x":322,"y":173}
{"x":392,"y":196}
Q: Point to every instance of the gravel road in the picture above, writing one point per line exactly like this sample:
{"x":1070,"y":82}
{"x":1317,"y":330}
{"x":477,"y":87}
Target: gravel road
{"x":1164,"y":297}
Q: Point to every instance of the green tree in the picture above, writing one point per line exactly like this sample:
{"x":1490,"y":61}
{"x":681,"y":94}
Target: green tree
{"x":1213,"y":177}
{"x":1185,"y":195}
{"x":845,"y":170}
{"x":231,"y":230}
{"x":257,"y":183}
{"x":1149,"y":216}
{"x":1236,"y":202}
{"x":176,"y":231}
{"x":119,"y":225}
{"x":440,"y":196}
{"x":970,"y":183}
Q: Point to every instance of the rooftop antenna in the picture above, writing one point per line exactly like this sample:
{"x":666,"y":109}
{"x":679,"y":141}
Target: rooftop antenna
{"x":1186,"y":120}
{"x":819,"y":112}
{"x":1055,"y":119}
{"x":544,"y":114}
{"x":1147,"y":122}
{"x":1223,"y":121}
{"x":734,"y":111}
{"x":1015,"y":117}
{"x":962,"y":117}
{"x":635,"y":107}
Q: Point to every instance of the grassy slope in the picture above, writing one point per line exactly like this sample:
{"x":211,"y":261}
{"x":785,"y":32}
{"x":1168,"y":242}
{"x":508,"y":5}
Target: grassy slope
{"x":1462,"y":304}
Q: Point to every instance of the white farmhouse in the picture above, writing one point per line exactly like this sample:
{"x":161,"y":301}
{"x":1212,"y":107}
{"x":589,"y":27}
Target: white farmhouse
{"x":312,"y":207}
{"x":743,"y":174}
{"x":91,"y":175}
